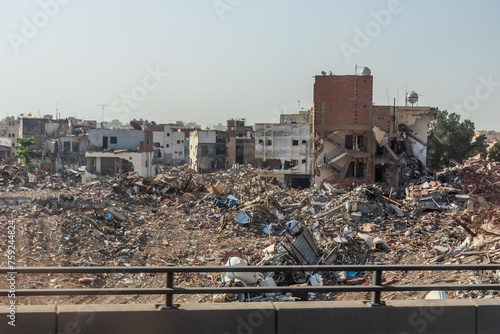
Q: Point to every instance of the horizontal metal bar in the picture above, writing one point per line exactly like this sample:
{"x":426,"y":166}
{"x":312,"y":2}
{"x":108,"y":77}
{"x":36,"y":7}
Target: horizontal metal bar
{"x":202,"y":269}
{"x":285,"y":289}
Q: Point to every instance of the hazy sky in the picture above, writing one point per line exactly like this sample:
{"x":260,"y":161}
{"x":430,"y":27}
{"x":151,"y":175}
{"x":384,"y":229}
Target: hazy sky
{"x":210,"y":60}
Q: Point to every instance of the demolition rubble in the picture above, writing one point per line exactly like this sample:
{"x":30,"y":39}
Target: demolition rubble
{"x":233,"y":218}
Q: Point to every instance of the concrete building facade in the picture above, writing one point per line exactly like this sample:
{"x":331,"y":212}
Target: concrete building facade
{"x":208,"y":150}
{"x":169,"y":144}
{"x":9,"y":128}
{"x":119,"y":151}
{"x":241,"y":143}
{"x":284,"y":150}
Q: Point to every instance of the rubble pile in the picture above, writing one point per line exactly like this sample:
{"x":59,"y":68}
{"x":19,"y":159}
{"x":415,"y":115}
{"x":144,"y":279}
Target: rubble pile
{"x":234,"y":218}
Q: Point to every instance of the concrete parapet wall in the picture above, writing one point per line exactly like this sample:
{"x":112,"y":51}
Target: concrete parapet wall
{"x":401,"y":317}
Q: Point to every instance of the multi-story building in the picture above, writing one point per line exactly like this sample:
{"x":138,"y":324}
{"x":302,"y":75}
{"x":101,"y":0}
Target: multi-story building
{"x":169,"y":144}
{"x":208,"y":150}
{"x":120,"y":151}
{"x":359,"y":142}
{"x":241,"y":144}
{"x":9,"y":128}
{"x":284,"y":150}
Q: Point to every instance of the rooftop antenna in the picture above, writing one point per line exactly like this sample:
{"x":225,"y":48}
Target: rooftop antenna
{"x":103,"y":106}
{"x":57,"y":109}
{"x":299,"y":104}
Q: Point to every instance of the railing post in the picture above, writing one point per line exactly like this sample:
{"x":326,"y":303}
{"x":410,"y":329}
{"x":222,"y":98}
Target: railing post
{"x":170,"y":284}
{"x":377,"y":281}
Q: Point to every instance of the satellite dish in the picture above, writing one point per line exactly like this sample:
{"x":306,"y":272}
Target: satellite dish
{"x":323,"y":72}
{"x":412,"y":97}
{"x":330,"y":73}
{"x":135,"y":125}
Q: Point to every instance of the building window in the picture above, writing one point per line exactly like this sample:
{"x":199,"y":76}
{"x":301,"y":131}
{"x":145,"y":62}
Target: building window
{"x":294,"y":163}
{"x":295,"y":142}
{"x":178,"y":142}
{"x":112,"y":140}
{"x":66,"y":146}
{"x":168,"y":134}
{"x":156,"y":144}
{"x":304,"y":142}
{"x":348,"y":142}
{"x":303,"y":161}
{"x":147,"y":142}
{"x":167,"y":145}
{"x":9,"y":135}
{"x":269,"y":142}
{"x":261,"y":141}
{"x":360,"y":170}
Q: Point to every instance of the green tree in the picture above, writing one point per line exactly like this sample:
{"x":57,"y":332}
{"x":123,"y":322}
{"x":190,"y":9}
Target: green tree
{"x":494,"y":153}
{"x":452,"y":139}
{"x":479,"y":146}
{"x":24,"y":152}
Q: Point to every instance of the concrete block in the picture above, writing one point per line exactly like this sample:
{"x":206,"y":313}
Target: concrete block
{"x":401,"y":317}
{"x":488,"y":320}
{"x":224,"y":318}
{"x":33,"y":319}
{"x":187,"y":318}
{"x":129,"y":318}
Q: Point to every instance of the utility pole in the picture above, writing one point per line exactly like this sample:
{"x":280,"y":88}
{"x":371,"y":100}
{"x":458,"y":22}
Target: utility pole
{"x":103,"y":106}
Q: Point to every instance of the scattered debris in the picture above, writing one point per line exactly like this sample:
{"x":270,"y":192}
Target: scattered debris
{"x":234,"y":218}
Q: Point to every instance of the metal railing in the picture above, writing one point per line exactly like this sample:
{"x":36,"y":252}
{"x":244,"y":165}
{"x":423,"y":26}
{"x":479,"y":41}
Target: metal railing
{"x":376,"y":288}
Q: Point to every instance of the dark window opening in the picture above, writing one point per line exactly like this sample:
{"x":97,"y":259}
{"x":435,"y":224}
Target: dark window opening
{"x":269,"y":142}
{"x":261,"y":141}
{"x":379,"y":173}
{"x":168,"y":134}
{"x":66,"y":146}
{"x":350,"y":171}
{"x":113,"y":140}
{"x":304,"y":142}
{"x":359,"y":142}
{"x":295,"y":142}
{"x":178,"y":142}
{"x":348,"y":142}
{"x":360,"y":170}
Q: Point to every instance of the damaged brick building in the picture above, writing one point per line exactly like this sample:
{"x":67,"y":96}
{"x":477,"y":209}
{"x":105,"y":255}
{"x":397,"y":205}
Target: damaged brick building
{"x":359,"y":142}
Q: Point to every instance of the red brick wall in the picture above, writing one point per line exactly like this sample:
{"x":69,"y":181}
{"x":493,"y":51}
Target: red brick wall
{"x":147,"y":144}
{"x":382,"y":117}
{"x":347,"y":99}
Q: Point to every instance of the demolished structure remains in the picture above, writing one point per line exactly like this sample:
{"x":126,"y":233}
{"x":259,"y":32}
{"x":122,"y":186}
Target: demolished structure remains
{"x":352,"y":191}
{"x":233,"y":218}
{"x":358,"y":142}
